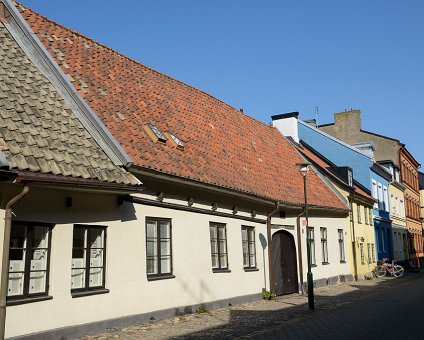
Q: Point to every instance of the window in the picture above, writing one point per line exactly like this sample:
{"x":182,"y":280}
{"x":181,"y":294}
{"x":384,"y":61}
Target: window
{"x":386,"y":199}
{"x":311,"y":240}
{"x":369,"y":253}
{"x":154,"y":133}
{"x":373,"y":252}
{"x":248,"y":243}
{"x":88,"y":258}
{"x":380,"y":197}
{"x":341,"y":245}
{"x":358,"y":208}
{"x":361,"y":250}
{"x":29,"y":258}
{"x":351,"y":212}
{"x":370,"y":212}
{"x":366,"y":214}
{"x":177,"y":142}
{"x":349,"y":177}
{"x":324,"y":245}
{"x":218,"y":236}
{"x":374,"y":193}
{"x":158,"y":247}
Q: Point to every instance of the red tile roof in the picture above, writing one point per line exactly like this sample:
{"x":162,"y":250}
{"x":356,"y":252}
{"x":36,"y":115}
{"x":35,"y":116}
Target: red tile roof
{"x":223,"y":146}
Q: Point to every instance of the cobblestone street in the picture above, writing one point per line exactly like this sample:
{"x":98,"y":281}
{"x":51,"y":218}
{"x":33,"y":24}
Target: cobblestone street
{"x":349,"y":310}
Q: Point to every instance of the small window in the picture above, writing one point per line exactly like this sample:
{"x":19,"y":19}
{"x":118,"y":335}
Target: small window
{"x":311,"y":241}
{"x":341,"y":245}
{"x":29,"y":258}
{"x":158,"y":247}
{"x":350,"y":211}
{"x":350,"y":178}
{"x":218,"y":238}
{"x":154,"y":133}
{"x":358,"y":208}
{"x":324,"y":245}
{"x":361,"y":250}
{"x":248,"y":243}
{"x":373,"y":252}
{"x":366,"y":214}
{"x":370,"y":212}
{"x":177,"y":142}
{"x":88,"y":258}
{"x":369,"y":253}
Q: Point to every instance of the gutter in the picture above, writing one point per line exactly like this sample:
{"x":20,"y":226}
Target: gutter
{"x":5,"y":257}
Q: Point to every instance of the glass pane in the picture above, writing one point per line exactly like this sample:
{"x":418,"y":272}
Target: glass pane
{"x":244,"y":234}
{"x":223,"y":260}
{"x":15,"y":284}
{"x":152,"y":265}
{"x":79,"y":238}
{"x":165,"y":247}
{"x":252,"y":261}
{"x":245,"y":259}
{"x":39,"y":260}
{"x":96,"y":258}
{"x":77,"y":278}
{"x":245,"y":248}
{"x":214,"y":247}
{"x":37,"y":282}
{"x":151,"y":247}
{"x":165,"y":229}
{"x":151,"y":230}
{"x":165,"y":265}
{"x":222,"y":233}
{"x":251,"y":232}
{"x":222,"y":246}
{"x":40,"y":237}
{"x":212,"y":232}
{"x":96,"y":277}
{"x":214,"y":261}
{"x":95,"y":238}
{"x":252,"y":248}
{"x":16,"y":254}
{"x":18,"y":236}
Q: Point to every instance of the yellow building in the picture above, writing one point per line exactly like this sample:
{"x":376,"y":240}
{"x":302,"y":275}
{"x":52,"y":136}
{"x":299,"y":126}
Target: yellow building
{"x":360,"y":222}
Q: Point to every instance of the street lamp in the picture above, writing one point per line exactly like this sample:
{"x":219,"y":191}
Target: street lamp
{"x":304,"y":169}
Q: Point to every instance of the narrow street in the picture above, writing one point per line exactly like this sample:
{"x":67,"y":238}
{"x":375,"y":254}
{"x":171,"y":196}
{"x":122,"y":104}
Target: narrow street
{"x":377,"y":309}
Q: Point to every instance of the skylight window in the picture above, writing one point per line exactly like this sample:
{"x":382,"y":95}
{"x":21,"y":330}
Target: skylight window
{"x":177,"y":142}
{"x":154,"y":133}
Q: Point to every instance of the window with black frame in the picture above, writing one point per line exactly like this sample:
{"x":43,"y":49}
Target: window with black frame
{"x":218,"y":238}
{"x":324,"y":245}
{"x":29,"y":258}
{"x":158,"y":248}
{"x":311,"y":241}
{"x":88,"y":258}
{"x":248,"y":244}
{"x":341,"y":245}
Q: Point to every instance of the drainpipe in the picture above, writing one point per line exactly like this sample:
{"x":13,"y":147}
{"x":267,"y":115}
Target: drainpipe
{"x":352,"y":224}
{"x":269,"y":237}
{"x":299,"y":250}
{"x":5,"y":258}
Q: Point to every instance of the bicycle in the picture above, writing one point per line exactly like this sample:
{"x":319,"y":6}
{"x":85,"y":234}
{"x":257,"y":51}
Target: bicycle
{"x":386,"y":268}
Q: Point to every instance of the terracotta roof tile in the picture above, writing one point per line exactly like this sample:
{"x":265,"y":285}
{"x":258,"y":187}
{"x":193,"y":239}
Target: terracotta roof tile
{"x":223,"y":146}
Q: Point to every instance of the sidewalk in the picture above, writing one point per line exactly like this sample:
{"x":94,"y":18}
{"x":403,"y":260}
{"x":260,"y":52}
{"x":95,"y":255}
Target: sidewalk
{"x":243,"y":320}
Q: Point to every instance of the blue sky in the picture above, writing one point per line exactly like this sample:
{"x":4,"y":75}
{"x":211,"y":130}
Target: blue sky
{"x":271,"y":57}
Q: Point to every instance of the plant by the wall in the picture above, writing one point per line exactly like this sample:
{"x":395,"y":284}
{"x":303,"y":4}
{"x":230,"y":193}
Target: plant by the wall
{"x":201,"y":310}
{"x":267,"y":295}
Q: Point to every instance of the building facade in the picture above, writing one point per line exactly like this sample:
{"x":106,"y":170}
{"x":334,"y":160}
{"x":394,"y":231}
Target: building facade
{"x":347,"y":126}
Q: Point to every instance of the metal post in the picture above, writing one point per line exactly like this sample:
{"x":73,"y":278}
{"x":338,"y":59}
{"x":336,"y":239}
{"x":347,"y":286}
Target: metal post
{"x":311,"y":302}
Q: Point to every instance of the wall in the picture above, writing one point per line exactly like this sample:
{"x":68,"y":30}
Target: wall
{"x":130,"y":293}
{"x":399,"y":229}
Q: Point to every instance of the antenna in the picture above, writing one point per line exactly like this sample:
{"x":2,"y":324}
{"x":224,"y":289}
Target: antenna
{"x":316,"y":115}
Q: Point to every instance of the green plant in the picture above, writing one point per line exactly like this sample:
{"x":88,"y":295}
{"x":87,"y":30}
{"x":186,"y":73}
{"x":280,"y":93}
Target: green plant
{"x":267,"y":295}
{"x":201,"y":310}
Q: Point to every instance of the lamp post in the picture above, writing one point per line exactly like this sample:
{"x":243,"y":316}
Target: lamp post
{"x":304,"y":169}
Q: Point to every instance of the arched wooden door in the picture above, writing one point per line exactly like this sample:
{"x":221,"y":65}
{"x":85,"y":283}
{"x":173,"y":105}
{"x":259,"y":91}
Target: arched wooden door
{"x":284,"y":263}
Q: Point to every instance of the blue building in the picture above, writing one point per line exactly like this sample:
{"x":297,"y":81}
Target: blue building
{"x":368,"y":173}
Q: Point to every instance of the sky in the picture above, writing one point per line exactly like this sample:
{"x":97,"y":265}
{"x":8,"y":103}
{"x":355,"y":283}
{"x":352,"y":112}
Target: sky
{"x":271,"y":57}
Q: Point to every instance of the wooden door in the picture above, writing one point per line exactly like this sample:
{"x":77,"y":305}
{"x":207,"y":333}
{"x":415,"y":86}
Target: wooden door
{"x":284,"y":263}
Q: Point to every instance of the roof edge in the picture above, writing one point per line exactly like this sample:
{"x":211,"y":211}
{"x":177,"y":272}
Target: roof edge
{"x":62,"y":84}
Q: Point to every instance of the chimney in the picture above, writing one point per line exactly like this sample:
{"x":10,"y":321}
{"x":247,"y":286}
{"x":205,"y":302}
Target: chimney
{"x":348,"y":120}
{"x":286,"y":123}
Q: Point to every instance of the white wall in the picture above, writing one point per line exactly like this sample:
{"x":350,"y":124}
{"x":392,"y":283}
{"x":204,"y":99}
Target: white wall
{"x":130,"y":292}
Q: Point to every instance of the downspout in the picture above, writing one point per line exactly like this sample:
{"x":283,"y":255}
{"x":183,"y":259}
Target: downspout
{"x":5,"y":258}
{"x":269,"y":237}
{"x":299,"y":250}
{"x":352,"y":224}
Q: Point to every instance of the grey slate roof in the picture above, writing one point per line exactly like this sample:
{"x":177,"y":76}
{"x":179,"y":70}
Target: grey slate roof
{"x":38,"y":131}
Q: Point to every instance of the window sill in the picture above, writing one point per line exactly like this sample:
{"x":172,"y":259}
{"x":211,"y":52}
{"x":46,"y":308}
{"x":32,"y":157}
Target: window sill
{"x":342,"y":261}
{"x":89,"y":292}
{"x":313,"y":265}
{"x":28,"y":300}
{"x":219,"y":270}
{"x":160,"y":277}
{"x":325,"y":263}
{"x":251,"y":269}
